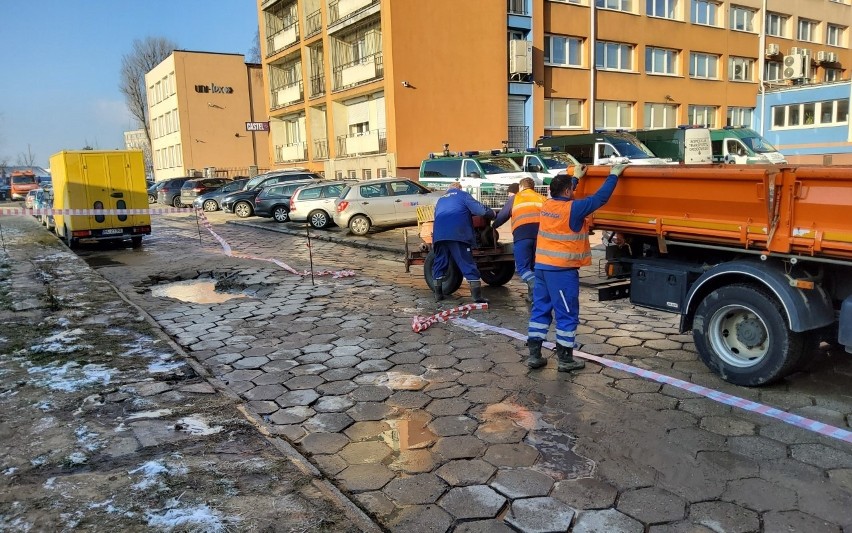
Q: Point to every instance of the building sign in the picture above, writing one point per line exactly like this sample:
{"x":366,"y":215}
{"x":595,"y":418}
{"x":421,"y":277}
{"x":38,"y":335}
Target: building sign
{"x":257,"y":126}
{"x":213,"y":88}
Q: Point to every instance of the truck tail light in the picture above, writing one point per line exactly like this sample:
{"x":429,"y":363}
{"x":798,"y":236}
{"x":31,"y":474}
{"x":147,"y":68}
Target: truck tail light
{"x":341,"y":207}
{"x":81,"y":233}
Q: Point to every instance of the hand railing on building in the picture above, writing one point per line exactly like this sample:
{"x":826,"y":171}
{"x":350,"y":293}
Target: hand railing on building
{"x":317,"y":85}
{"x":320,"y":149}
{"x":366,"y":142}
{"x":349,"y":74}
{"x":291,"y":152}
{"x":287,"y":36}
{"x":313,"y":23}
{"x":334,"y":15}
{"x":517,"y":7}
{"x":285,"y":95}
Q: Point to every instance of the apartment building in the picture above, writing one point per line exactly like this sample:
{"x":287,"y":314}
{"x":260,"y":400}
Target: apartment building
{"x":199,"y":104}
{"x":362,"y":88}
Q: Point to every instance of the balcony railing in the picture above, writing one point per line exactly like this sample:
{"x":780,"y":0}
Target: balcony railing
{"x":313,"y":23}
{"x":317,"y":86}
{"x":368,"y":142}
{"x":291,"y":152}
{"x":282,"y":39}
{"x":517,"y":7}
{"x":287,"y":94}
{"x":519,"y":137}
{"x":363,"y":70}
{"x":320,"y":149}
{"x":341,"y":10}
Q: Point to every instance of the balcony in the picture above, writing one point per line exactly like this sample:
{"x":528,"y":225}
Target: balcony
{"x":285,"y":95}
{"x":517,"y":7}
{"x":284,"y":38}
{"x":368,"y":142}
{"x":317,"y":86}
{"x":359,"y":71}
{"x":320,"y":149}
{"x":291,"y":152}
{"x":342,"y":10}
{"x":313,"y":24}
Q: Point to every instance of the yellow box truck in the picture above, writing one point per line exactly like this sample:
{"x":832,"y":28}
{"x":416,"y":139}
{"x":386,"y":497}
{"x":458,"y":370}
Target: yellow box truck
{"x":97,"y":180}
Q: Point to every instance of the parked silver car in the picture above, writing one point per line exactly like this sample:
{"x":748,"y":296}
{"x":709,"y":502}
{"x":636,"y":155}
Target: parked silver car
{"x":380,"y":202}
{"x":315,"y":203}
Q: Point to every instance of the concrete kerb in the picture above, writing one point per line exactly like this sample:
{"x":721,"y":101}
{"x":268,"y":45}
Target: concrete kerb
{"x":322,"y":237}
{"x":349,"y":508}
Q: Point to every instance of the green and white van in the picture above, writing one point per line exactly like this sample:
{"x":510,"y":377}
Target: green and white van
{"x":743,"y":146}
{"x":603,"y":148}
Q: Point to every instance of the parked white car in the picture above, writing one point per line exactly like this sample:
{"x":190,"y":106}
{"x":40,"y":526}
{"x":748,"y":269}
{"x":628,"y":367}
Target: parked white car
{"x":381,"y":202}
{"x":315,"y":203}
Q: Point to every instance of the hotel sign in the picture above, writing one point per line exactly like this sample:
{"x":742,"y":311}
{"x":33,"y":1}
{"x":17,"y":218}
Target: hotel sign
{"x":257,"y":126}
{"x":213,"y":88}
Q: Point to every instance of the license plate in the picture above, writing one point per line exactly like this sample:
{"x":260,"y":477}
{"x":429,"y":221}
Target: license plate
{"x":114,"y":231}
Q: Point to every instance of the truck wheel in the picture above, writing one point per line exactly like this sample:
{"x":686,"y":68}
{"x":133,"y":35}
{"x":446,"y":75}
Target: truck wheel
{"x":741,"y":334}
{"x":499,"y":275}
{"x":452,"y":278}
{"x":136,"y":242}
{"x":70,"y":241}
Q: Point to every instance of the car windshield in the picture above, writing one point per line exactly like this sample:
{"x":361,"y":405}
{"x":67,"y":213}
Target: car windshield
{"x":758,"y":144}
{"x":498,"y":165}
{"x":631,"y":150}
{"x":23,"y":180}
{"x":345,"y":191}
{"x":555,"y":161}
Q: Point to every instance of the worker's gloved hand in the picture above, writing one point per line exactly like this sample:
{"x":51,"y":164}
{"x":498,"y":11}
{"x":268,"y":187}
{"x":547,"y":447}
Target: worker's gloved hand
{"x":579,"y":171}
{"x":617,"y":170}
{"x":489,"y":214}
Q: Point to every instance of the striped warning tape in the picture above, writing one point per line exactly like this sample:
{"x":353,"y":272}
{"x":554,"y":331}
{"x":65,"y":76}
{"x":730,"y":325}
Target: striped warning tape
{"x":717,"y":396}
{"x":419,"y":323}
{"x":335,"y":274}
{"x":10,"y":211}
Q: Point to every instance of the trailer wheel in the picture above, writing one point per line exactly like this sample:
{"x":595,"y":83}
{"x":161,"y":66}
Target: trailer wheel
{"x":741,"y":334}
{"x":499,"y":275}
{"x":452,"y":278}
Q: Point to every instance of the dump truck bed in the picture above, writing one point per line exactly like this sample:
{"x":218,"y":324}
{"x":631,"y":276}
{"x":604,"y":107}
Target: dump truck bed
{"x":796,"y":210}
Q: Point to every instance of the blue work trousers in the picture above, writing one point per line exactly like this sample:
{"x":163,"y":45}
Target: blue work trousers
{"x":460,"y":254}
{"x":524,"y":251}
{"x":556,"y":292}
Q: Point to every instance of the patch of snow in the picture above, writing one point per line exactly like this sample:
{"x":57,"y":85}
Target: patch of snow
{"x":44,"y":405}
{"x":44,"y":424}
{"x":77,"y":458}
{"x":152,"y":471}
{"x":18,"y":524}
{"x":38,"y":461}
{"x":64,"y":322}
{"x":10,"y":471}
{"x":200,"y":517}
{"x":105,"y":503}
{"x":50,"y":483}
{"x":88,"y":439}
{"x":71,"y":376}
{"x":197,"y":426}
{"x":163,"y":366}
{"x":121,"y":428}
{"x":149,"y":414}
{"x":61,"y":342}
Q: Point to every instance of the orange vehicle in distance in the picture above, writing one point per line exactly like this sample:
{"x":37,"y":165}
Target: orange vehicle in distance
{"x":21,"y":182}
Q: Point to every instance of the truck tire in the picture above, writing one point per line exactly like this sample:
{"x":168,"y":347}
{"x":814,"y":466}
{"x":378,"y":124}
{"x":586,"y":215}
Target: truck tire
{"x":500,"y":275}
{"x":136,"y":242}
{"x":741,"y":334}
{"x":452,"y":278}
{"x":70,"y":241}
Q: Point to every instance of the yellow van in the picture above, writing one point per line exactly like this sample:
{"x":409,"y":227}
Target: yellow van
{"x":89,"y":180}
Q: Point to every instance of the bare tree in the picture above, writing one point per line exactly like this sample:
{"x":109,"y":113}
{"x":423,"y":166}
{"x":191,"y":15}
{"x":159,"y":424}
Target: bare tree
{"x":254,"y":51}
{"x":143,"y":56}
{"x":26,"y":159}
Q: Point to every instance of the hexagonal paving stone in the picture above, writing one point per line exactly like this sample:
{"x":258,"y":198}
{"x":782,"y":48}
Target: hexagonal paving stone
{"x":358,"y":478}
{"x":370,"y":393}
{"x":483,"y":526}
{"x":444,"y":390}
{"x":511,"y":455}
{"x":311,"y":348}
{"x":374,"y":365}
{"x":477,"y":501}
{"x":522,"y":483}
{"x":317,"y":443}
{"x":409,"y":399}
{"x":448,"y":406}
{"x":264,"y":392}
{"x":331,"y":422}
{"x":330,"y":465}
{"x":760,"y":495}
{"x":606,"y":521}
{"x":421,"y":518}
{"x":346,"y":351}
{"x":292,"y":415}
{"x":466,"y":472}
{"x":361,"y":431}
{"x":461,"y":447}
{"x":728,"y":426}
{"x":308,"y":370}
{"x":486,"y":395}
{"x":304,"y":382}
{"x":241,"y":375}
{"x":376,"y":503}
{"x":415,"y":490}
{"x":652,"y":505}
{"x":333,"y":404}
{"x":448,"y":426}
{"x":297,"y":397}
{"x":370,"y":411}
{"x":336,"y":388}
{"x":540,"y":515}
{"x":339,"y":374}
{"x":821,"y":456}
{"x":365,"y":452}
{"x":314,"y":358}
{"x":796,"y":521}
{"x":727,"y":517}
{"x":501,"y":430}
{"x":414,"y":461}
{"x":585,"y":493}
{"x":348,"y":361}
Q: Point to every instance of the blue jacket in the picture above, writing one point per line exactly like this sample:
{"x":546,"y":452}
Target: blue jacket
{"x":452,"y":217}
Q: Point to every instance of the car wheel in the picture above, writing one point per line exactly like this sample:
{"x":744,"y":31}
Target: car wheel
{"x":243,"y":209}
{"x":210,"y":205}
{"x":499,"y":275}
{"x":176,"y":202}
{"x":281,"y":214}
{"x":319,"y":219}
{"x":152,"y":199}
{"x":359,"y":225}
{"x":452,"y":277}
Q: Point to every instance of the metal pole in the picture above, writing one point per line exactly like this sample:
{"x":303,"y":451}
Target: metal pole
{"x":198,"y":227}
{"x":310,"y":251}
{"x":592,"y":70}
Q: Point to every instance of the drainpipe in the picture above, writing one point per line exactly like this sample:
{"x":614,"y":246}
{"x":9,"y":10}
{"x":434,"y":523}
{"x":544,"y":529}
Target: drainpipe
{"x":762,"y":55}
{"x":592,"y":71}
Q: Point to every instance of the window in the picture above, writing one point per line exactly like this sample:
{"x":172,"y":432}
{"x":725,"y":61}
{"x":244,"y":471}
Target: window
{"x":739,"y":116}
{"x":807,"y":30}
{"x":660,"y":116}
{"x":704,"y":12}
{"x":613,"y":56}
{"x":178,"y":156}
{"x":660,"y":61}
{"x":701,"y":115}
{"x":618,"y":5}
{"x":367,"y":173}
{"x":611,"y":115}
{"x":168,"y":122}
{"x":834,"y":35}
{"x":470,"y":169}
{"x":382,"y":172}
{"x":359,"y":128}
{"x":338,"y":174}
{"x":310,"y":193}
{"x":332,"y":191}
{"x":399,"y":188}
{"x":740,"y":69}
{"x":773,"y":71}
{"x":563,"y":113}
{"x":566,"y":51}
{"x":703,"y":66}
{"x":832,"y":74}
{"x":172,"y":82}
{"x":441,"y":168}
{"x":776,"y":24}
{"x":742,"y":18}
{"x":825,"y":113}
{"x":661,"y":8}
{"x":373,"y":191}
{"x":352,"y":174}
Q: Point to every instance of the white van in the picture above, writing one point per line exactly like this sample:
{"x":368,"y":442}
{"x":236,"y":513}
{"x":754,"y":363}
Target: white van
{"x":603,"y":148}
{"x":743,"y":146}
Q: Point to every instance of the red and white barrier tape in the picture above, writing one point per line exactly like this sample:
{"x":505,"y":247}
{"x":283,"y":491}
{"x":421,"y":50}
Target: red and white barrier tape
{"x":335,"y":274}
{"x":717,"y":396}
{"x":419,"y":323}
{"x":9,"y":211}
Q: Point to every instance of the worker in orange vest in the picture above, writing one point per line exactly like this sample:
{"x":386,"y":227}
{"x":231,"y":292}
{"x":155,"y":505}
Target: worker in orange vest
{"x":524,"y":213}
{"x":561,"y":249}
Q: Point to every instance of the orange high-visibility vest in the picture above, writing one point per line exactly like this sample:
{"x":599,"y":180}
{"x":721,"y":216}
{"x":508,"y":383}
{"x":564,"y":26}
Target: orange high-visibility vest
{"x":526,"y":208}
{"x":557,"y":244}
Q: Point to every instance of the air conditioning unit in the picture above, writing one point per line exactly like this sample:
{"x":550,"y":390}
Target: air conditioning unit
{"x":773,"y":50}
{"x":793,"y":66}
{"x":794,"y":51}
{"x":805,"y":51}
{"x":832,"y":57}
{"x":520,"y":56}
{"x":822,"y":56}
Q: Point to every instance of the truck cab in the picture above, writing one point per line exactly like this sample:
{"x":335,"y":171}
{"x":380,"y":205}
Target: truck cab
{"x":685,"y":144}
{"x":603,"y":148}
{"x":543,"y":163}
{"x":21,"y":182}
{"x":743,"y":146}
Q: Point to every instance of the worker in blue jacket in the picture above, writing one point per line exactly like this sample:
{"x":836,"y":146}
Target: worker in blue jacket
{"x":453,"y":239}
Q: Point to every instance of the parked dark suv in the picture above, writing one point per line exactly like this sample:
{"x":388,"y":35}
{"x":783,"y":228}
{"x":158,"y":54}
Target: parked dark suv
{"x":169,"y":191}
{"x":242,"y":202}
{"x":274,"y":201}
{"x":192,"y":189}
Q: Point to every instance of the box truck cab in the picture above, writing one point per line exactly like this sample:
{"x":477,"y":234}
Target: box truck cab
{"x":100,"y":180}
{"x":21,"y":182}
{"x":743,"y":146}
{"x":603,"y":148}
{"x":543,"y":163}
{"x":685,"y":144}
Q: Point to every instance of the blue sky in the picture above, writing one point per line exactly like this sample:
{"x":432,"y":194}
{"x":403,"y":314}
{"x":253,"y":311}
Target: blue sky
{"x":60,"y":62}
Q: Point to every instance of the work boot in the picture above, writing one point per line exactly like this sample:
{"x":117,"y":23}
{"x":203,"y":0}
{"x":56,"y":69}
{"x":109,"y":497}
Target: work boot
{"x":530,"y":288}
{"x":476,"y":292}
{"x":438,"y":288}
{"x":535,"y":359}
{"x":566,"y":359}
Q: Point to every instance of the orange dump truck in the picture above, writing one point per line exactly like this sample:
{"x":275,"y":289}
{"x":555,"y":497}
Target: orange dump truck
{"x":757,"y":260}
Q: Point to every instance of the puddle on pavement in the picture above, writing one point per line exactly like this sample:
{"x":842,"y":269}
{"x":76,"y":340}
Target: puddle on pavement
{"x":197,"y":291}
{"x":518,"y":414}
{"x":406,"y":434}
{"x":402,"y":381}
